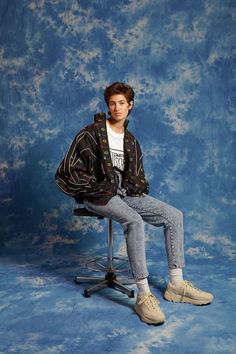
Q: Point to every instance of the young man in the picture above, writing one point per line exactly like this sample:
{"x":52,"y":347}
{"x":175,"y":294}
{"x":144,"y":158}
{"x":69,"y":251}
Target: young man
{"x":103,"y":169}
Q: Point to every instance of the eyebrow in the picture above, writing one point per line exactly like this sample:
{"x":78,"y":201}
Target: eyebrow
{"x":117,"y":101}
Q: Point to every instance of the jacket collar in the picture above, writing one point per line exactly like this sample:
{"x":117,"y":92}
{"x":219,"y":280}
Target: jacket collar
{"x":100,"y":123}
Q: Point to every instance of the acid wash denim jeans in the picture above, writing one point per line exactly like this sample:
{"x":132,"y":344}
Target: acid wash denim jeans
{"x":131,"y":212}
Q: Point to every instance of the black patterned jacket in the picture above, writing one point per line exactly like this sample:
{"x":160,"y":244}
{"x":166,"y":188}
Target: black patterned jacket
{"x":87,"y":172}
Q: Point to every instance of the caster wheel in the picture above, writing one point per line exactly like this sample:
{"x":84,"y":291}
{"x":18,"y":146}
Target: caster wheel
{"x":132,"y":294}
{"x":86,"y":293}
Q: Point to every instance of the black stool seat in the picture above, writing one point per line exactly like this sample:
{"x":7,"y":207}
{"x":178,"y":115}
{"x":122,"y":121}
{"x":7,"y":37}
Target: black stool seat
{"x":110,"y":280}
{"x":86,"y":212}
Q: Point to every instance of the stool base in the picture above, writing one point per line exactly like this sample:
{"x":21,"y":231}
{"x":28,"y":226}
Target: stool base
{"x":109,"y":281}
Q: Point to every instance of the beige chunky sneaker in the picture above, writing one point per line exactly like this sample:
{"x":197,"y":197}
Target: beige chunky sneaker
{"x":186,"y":292}
{"x":147,"y":307}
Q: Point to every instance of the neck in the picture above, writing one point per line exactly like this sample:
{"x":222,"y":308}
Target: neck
{"x":118,"y":127}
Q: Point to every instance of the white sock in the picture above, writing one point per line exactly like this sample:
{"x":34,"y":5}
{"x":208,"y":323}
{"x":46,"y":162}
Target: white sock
{"x":176,"y":275}
{"x":142,"y":285}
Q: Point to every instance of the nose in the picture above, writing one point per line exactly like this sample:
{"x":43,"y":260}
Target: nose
{"x":117,"y":107}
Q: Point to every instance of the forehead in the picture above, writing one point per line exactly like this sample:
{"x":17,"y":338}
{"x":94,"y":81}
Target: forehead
{"x":117,"y":98}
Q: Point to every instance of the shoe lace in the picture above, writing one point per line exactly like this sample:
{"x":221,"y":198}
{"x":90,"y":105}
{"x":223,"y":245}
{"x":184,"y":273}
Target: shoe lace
{"x":151,"y":299}
{"x":188,"y":283}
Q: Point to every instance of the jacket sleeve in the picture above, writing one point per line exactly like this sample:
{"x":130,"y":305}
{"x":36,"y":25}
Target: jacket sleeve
{"x":73,"y":175}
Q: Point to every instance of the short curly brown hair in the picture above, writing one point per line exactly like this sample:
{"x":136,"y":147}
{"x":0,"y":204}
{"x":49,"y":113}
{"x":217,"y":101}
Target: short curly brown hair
{"x":119,"y":88}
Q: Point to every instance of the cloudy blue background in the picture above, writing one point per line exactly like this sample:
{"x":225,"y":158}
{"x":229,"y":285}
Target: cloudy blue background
{"x":56,"y":57}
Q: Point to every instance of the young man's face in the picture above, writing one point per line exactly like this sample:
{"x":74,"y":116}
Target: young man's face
{"x":119,"y":107}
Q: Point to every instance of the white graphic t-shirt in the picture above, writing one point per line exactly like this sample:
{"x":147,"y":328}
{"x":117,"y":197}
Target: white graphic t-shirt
{"x":116,"y":144}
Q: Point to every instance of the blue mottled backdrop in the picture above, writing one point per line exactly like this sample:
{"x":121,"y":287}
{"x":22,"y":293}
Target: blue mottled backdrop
{"x":56,"y":57}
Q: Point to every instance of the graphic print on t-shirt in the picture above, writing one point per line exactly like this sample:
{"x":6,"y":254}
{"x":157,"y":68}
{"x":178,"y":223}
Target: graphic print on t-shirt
{"x":117,"y":157}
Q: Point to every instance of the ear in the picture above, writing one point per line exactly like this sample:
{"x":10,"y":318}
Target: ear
{"x":131,"y":104}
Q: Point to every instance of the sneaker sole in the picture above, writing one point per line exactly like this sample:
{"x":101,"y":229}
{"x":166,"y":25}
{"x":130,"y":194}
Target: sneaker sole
{"x":147,"y":320}
{"x":179,"y":298}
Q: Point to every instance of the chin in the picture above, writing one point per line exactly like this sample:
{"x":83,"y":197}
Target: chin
{"x":120,"y":117}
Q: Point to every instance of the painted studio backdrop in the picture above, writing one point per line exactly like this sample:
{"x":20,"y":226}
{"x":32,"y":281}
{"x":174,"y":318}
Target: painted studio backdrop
{"x":56,"y":57}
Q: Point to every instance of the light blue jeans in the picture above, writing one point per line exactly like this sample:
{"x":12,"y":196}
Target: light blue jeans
{"x":131,"y":212}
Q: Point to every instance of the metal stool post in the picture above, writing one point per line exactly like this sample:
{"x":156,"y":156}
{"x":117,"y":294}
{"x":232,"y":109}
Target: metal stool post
{"x":109,"y":246}
{"x":110,"y":279}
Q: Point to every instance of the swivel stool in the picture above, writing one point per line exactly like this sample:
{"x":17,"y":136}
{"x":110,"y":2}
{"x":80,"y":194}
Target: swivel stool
{"x":110,"y":280}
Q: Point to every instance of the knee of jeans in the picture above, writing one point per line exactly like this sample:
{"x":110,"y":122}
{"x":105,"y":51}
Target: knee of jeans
{"x":176,"y":214}
{"x":134,"y":222}
{"x":175,"y":217}
{"x":179,"y":214}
